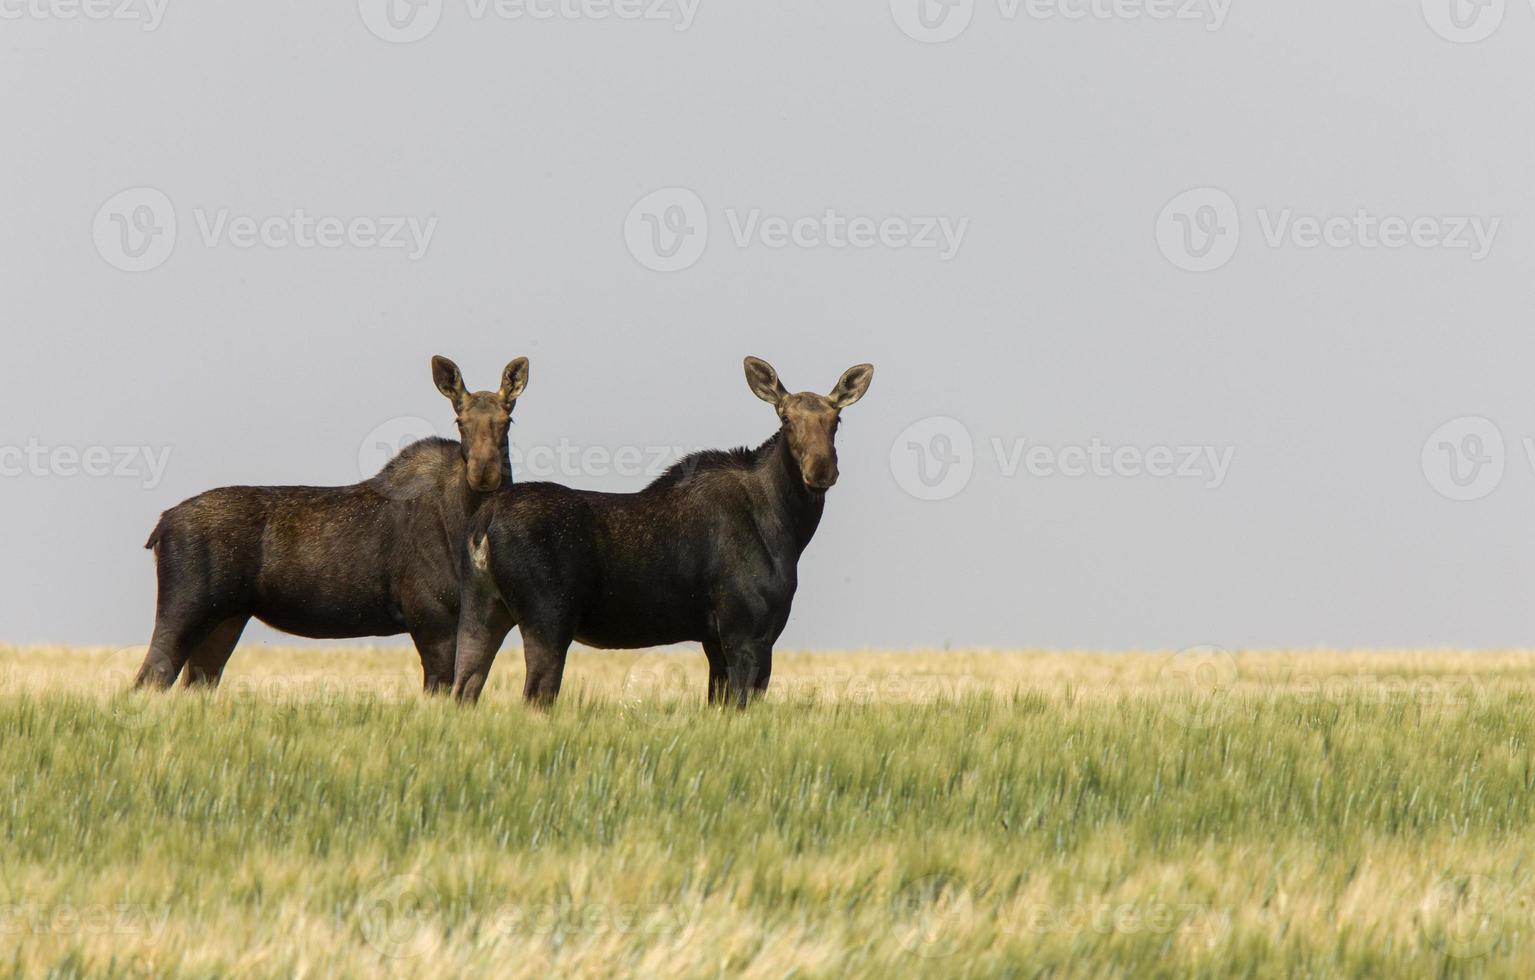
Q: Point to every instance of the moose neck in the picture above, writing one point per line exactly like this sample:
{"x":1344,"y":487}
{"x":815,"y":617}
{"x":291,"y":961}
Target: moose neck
{"x":791,"y":510}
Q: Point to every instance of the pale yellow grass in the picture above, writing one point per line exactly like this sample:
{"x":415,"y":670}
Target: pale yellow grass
{"x":827,"y":676}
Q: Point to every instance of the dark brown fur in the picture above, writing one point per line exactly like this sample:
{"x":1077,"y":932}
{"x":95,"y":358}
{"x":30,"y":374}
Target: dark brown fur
{"x":376,"y":558}
{"x":708,"y":552}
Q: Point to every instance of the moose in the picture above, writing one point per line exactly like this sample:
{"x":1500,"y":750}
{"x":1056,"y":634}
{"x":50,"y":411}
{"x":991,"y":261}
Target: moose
{"x":376,"y":558}
{"x":708,"y":552}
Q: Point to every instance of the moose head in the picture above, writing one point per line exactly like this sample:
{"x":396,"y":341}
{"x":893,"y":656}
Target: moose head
{"x":483,"y":420}
{"x":810,"y":420}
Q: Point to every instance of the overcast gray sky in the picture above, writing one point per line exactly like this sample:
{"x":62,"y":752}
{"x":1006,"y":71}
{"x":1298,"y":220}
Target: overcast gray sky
{"x":1193,"y":322}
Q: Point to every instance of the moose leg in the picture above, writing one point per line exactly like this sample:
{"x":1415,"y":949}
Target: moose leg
{"x":544,"y":650}
{"x":764,"y":672}
{"x":746,"y":633}
{"x":436,"y":647}
{"x":206,"y":664}
{"x":717,"y":672}
{"x":743,"y":655}
{"x":483,"y":622}
{"x":176,"y":636}
{"x":741,"y":674}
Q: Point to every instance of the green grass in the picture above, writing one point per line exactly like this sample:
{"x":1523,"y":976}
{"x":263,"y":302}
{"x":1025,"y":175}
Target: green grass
{"x":1034,"y":833}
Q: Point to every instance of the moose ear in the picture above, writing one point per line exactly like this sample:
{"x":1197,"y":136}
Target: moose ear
{"x":448,"y":379}
{"x":854,"y":382}
{"x":513,"y":380}
{"x":763,"y":381}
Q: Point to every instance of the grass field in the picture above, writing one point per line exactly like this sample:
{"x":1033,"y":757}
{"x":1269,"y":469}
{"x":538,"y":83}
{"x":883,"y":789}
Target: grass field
{"x":925,"y":813}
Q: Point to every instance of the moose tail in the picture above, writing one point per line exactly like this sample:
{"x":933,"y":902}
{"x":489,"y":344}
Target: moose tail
{"x":156,"y":534}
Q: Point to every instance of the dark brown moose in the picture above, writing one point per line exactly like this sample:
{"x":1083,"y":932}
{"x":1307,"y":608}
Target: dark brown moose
{"x":708,"y":552}
{"x":376,"y":558}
